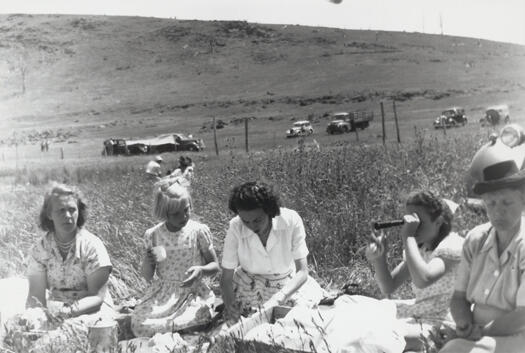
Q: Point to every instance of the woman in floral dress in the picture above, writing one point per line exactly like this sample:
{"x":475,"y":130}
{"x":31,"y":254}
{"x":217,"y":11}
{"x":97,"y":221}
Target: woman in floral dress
{"x":68,"y":272}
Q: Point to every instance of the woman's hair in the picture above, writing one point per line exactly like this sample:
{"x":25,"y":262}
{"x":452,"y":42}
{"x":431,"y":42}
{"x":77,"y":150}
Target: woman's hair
{"x":57,"y":190}
{"x":184,"y":162}
{"x":168,"y":196}
{"x":435,"y":206}
{"x":253,"y":195}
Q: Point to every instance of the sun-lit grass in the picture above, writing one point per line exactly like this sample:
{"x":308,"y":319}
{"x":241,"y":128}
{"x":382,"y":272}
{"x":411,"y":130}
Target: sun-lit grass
{"x":338,"y":191}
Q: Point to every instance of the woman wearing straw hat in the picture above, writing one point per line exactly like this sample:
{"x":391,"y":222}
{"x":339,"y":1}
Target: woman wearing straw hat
{"x":488,"y":304}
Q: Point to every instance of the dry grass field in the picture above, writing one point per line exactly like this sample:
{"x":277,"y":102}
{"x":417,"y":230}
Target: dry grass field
{"x":78,"y":80}
{"x":338,"y":191}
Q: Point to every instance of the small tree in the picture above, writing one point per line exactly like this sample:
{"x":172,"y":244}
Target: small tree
{"x":19,"y":64}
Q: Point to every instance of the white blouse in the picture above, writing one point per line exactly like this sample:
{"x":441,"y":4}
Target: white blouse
{"x":286,"y":243}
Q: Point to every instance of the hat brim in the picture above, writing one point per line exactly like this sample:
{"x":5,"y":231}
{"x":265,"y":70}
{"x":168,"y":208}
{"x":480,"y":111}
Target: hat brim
{"x":515,"y":180}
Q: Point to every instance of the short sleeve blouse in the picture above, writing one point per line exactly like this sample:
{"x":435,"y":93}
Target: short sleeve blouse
{"x":286,"y":243}
{"x":487,"y":278}
{"x":70,"y":275}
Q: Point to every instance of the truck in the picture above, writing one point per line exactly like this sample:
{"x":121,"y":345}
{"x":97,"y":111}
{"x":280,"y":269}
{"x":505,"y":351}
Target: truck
{"x":349,"y":121}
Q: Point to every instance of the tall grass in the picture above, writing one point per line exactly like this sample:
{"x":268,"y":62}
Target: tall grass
{"x":338,"y":191}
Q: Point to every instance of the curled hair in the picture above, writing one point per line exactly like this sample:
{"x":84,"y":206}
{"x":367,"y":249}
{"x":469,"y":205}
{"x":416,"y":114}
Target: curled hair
{"x":253,"y":195}
{"x":168,"y":196}
{"x":435,"y":206}
{"x":57,"y":190}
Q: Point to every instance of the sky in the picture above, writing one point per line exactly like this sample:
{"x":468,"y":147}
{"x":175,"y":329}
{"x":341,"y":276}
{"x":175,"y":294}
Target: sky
{"x":500,"y":20}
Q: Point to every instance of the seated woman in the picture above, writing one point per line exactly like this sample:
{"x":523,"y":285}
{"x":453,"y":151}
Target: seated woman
{"x":184,"y":169}
{"x":180,"y":252}
{"x":264,"y":257}
{"x":488,"y":304}
{"x":431,"y":256}
{"x":68,"y":269}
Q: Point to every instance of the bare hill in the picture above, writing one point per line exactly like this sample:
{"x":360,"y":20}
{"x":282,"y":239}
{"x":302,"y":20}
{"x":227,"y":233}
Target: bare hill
{"x":143,"y":74}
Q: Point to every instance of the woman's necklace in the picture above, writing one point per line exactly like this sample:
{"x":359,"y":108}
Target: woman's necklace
{"x":64,"y":246}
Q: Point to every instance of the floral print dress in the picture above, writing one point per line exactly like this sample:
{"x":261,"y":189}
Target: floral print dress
{"x":166,"y":306}
{"x":66,"y":283}
{"x":431,"y":304}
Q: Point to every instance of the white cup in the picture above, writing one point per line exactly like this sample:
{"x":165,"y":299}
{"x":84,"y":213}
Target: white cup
{"x":159,"y":252}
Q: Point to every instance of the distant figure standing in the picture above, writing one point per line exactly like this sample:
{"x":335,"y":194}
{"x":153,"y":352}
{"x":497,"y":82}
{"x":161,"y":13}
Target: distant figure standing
{"x":109,"y":146}
{"x":153,"y":169}
{"x":46,"y":145}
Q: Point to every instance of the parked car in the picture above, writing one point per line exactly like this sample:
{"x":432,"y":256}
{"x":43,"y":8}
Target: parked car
{"x":300,"y":128}
{"x":452,"y":117}
{"x":495,"y":115}
{"x":158,"y":144}
{"x":338,"y":126}
{"x":349,"y":121}
{"x":119,"y":146}
{"x":188,"y":143}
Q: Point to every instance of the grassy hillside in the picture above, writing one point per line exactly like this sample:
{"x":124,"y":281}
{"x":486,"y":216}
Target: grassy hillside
{"x":98,"y":76}
{"x":89,"y":78}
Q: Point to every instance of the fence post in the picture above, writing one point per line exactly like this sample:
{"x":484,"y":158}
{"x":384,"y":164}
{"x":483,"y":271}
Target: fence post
{"x":443,"y":126}
{"x":215,"y":138}
{"x":397,"y":124}
{"x":355,"y":127}
{"x":383,"y":122}
{"x":246,"y":134}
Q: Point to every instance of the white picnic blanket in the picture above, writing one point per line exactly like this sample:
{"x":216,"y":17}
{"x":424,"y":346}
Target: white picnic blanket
{"x":353,"y":324}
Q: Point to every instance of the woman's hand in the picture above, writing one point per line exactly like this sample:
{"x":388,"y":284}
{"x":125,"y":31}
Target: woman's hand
{"x":410,"y":226}
{"x":376,"y":248}
{"x":464,"y":330}
{"x":469,"y":331}
{"x":193,"y":273}
{"x":476,"y":333}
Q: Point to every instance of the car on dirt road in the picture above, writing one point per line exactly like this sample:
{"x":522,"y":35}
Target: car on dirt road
{"x":452,"y":117}
{"x":349,"y":121}
{"x":300,"y":128}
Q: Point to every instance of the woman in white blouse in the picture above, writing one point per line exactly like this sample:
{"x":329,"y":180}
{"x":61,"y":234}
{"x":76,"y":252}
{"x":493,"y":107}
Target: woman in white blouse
{"x":264,"y":257}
